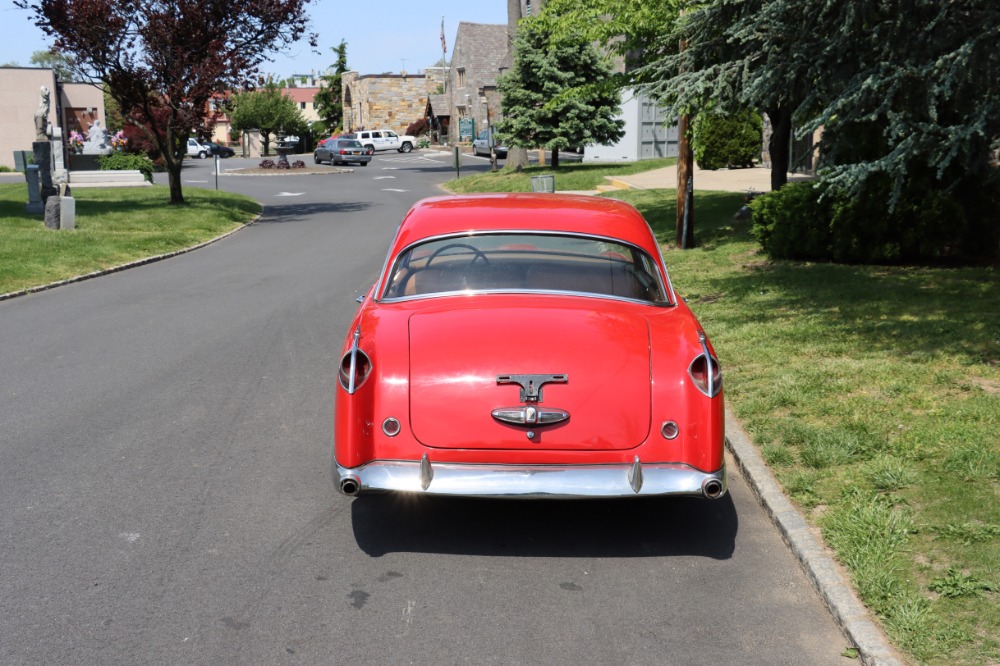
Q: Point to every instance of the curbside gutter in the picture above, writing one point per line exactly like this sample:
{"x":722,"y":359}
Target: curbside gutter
{"x":826,"y":575}
{"x":122,"y":267}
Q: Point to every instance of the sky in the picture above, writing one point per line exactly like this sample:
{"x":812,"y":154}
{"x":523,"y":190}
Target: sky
{"x":382,"y":35}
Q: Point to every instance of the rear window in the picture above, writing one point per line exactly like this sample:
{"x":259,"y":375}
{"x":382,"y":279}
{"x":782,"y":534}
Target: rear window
{"x":525,"y":263}
{"x":350,"y":143}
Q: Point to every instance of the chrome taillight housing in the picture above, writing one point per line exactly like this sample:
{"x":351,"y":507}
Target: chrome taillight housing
{"x":705,"y":371}
{"x":355,"y":366}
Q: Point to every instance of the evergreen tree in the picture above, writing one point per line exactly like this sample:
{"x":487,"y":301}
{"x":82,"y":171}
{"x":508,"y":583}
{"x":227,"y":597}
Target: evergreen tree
{"x":552,"y":97}
{"x":329,"y":99}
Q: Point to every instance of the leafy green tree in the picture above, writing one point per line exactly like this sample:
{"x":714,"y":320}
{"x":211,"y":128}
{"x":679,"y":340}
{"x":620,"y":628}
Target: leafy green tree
{"x":63,"y":64}
{"x":329,"y":100}
{"x":267,"y":110}
{"x":537,"y":111}
{"x":163,"y":61}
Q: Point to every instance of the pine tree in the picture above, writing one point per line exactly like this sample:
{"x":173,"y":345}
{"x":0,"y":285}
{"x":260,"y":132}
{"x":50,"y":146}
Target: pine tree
{"x":553,"y":96}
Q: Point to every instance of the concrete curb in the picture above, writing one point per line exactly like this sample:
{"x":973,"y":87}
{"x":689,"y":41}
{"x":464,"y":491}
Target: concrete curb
{"x":852,"y":616}
{"x":131,"y":264}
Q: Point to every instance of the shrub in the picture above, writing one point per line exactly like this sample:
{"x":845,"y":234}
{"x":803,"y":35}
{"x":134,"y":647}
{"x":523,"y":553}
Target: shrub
{"x":118,"y":161}
{"x":267,"y":164}
{"x":791,"y":223}
{"x":727,"y":140}
{"x":418,"y":127}
{"x":813,"y":221}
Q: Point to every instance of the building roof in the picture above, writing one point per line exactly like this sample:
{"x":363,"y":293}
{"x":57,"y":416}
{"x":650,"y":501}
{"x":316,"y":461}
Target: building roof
{"x":300,"y":94}
{"x":483,"y":47}
{"x":438,"y":104}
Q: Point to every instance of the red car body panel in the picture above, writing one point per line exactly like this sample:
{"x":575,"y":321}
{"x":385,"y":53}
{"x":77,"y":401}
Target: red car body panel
{"x":436,"y":362}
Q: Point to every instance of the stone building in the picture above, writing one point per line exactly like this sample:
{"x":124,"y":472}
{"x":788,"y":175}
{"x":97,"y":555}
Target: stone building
{"x":479,"y":52}
{"x":390,"y":101}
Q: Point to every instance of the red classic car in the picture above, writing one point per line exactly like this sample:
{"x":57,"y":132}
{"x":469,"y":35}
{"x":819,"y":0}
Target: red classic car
{"x":527,"y":345}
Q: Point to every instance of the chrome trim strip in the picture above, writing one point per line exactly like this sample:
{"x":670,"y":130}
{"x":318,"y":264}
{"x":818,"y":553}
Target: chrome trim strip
{"x":530,"y":481}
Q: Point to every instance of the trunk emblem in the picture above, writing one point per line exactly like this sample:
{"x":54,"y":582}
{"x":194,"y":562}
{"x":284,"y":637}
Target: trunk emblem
{"x":529,"y":416}
{"x":531,"y":393}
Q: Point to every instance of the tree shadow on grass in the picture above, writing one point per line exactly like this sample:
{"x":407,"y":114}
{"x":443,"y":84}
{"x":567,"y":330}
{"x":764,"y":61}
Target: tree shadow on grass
{"x":902,"y":310}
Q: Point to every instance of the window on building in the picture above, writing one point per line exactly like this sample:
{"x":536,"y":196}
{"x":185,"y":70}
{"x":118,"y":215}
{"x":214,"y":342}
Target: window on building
{"x":460,"y":72}
{"x":302,"y":105}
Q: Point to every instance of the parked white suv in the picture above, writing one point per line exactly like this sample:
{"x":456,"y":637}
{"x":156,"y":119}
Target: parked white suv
{"x":195,"y":149}
{"x":384,"y":139}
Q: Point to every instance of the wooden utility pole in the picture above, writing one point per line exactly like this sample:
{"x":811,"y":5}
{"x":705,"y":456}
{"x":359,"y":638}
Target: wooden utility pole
{"x":685,"y":185}
{"x":685,"y":179}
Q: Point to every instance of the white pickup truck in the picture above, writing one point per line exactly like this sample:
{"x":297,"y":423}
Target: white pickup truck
{"x":383,"y":139}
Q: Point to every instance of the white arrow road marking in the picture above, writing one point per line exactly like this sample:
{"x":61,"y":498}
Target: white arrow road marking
{"x":289,"y":194}
{"x":195,"y":181}
{"x":382,"y":177}
{"x":389,"y":189}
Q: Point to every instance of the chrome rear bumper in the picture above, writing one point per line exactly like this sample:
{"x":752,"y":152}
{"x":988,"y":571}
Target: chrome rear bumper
{"x":531,"y":481}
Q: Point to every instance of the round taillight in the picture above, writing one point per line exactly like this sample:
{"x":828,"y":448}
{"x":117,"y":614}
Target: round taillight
{"x":669,"y":430}
{"x":390,"y":427}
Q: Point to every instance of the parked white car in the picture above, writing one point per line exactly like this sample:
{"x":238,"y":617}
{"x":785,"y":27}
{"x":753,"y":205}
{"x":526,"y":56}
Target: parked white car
{"x":384,"y":139}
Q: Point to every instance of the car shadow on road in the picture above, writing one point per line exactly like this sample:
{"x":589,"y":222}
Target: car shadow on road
{"x":667,"y":526}
{"x":284,"y":213}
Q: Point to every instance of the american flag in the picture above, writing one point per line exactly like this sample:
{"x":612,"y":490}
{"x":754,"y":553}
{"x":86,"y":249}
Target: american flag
{"x":444,"y":44}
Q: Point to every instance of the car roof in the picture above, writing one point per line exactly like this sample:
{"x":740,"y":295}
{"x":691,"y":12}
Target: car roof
{"x":567,"y":213}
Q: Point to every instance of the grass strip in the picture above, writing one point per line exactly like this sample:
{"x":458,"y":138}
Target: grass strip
{"x":569,"y":176}
{"x":114,"y":226}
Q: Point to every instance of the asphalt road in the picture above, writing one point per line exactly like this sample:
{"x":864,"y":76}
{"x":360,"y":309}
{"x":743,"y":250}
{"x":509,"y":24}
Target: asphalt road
{"x":165,"y":493}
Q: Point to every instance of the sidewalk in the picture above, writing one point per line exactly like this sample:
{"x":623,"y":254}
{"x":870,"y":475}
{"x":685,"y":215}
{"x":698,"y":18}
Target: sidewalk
{"x":757,"y":179}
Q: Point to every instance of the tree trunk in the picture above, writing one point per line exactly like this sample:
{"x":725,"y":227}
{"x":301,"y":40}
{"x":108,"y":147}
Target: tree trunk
{"x":555,"y":158}
{"x":174,"y":173}
{"x":779,"y":145}
{"x":517,"y":158}
{"x":173,"y":159}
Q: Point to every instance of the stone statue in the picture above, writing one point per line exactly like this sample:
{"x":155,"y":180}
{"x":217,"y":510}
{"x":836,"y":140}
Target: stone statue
{"x":42,"y":116}
{"x":97,"y":140}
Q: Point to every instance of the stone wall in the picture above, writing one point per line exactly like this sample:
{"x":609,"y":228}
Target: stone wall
{"x":390,"y":101}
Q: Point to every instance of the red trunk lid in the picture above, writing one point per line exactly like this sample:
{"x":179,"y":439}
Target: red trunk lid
{"x":457,"y":355}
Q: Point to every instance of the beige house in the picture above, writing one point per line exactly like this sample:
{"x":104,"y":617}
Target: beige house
{"x":73,"y":106}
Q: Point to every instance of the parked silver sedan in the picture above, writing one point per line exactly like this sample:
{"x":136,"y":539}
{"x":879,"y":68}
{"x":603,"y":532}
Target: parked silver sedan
{"x":341,"y":151}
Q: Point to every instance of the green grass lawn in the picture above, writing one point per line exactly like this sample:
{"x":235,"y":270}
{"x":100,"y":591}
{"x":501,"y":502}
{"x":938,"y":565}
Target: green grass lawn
{"x":113,"y":226}
{"x":873,"y":393}
{"x":569,"y":176}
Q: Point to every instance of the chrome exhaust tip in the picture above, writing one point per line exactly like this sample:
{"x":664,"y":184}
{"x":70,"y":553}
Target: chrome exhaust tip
{"x":713,"y":489}
{"x":350,"y":486}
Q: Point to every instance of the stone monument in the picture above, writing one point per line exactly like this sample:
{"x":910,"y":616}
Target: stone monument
{"x":97,"y":140}
{"x":42,"y":148}
{"x":42,"y":116}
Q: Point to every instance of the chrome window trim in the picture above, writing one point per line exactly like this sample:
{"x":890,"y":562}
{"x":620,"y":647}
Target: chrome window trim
{"x":665,"y":286}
